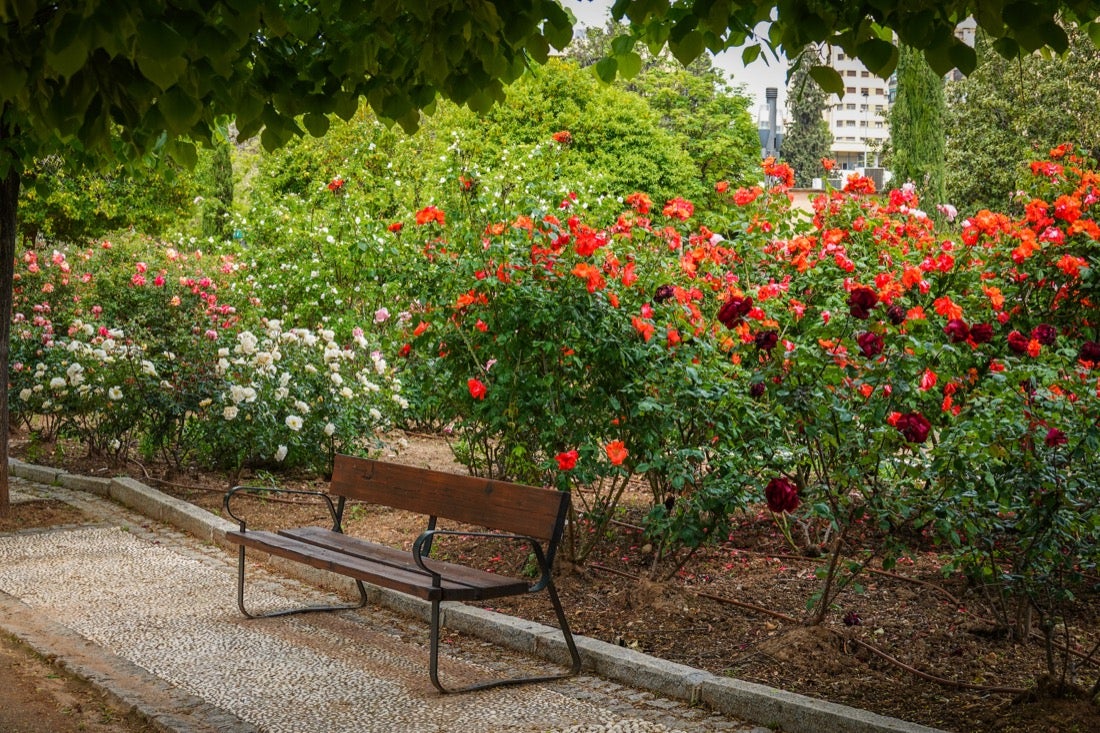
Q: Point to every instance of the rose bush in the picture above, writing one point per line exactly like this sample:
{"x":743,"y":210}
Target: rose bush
{"x":130,"y":344}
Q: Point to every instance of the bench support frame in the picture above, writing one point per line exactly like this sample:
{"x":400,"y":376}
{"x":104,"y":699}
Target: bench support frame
{"x":433,"y":661}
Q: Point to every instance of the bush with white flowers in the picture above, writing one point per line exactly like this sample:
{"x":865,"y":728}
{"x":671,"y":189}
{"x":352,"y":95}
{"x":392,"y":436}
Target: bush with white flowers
{"x":295,"y":396}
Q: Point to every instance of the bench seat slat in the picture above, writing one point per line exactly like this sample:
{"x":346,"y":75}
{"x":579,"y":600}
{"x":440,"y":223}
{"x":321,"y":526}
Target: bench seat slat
{"x":397,"y":558}
{"x":379,"y":568}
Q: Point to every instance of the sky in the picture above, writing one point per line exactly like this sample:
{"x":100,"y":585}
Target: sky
{"x":757,"y":77}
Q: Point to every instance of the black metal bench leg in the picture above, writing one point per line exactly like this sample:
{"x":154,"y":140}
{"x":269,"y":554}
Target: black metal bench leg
{"x":563,"y":624}
{"x":303,"y":609}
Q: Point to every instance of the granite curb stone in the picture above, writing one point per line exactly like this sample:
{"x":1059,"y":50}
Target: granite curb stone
{"x":754,"y":702}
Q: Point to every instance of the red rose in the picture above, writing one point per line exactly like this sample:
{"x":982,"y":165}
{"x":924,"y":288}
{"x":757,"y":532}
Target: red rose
{"x":477,"y":388}
{"x":870,"y":344}
{"x":756,"y":389}
{"x":861,"y":300}
{"x":1090,"y":351}
{"x":1018,"y":342}
{"x":733,"y":310}
{"x":1045,"y":334}
{"x":957,"y":331}
{"x":981,"y":333}
{"x":1056,"y":437}
{"x":664,"y":293}
{"x":781,"y":495}
{"x":896,"y":314}
{"x":567,"y":460}
{"x":913,"y":426}
{"x":766,"y":340}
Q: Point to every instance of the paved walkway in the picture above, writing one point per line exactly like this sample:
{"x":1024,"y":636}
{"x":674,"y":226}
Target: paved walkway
{"x":149,"y":613}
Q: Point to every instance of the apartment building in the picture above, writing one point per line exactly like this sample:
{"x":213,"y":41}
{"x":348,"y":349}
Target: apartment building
{"x":859,"y":121}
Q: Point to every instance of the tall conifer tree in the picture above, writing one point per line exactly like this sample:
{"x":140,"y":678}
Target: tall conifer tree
{"x":917,"y":135}
{"x":807,"y":139}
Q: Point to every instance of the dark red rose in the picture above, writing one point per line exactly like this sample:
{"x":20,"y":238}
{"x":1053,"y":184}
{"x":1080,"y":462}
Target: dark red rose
{"x":1090,"y":351}
{"x":1056,"y":437}
{"x":756,"y":389}
{"x":781,"y":495}
{"x":665,"y":292}
{"x":981,"y":333}
{"x":1045,"y":334}
{"x":861,"y":300}
{"x":896,"y":314}
{"x":914,"y":427}
{"x":733,"y":310}
{"x":1018,"y":342}
{"x":766,"y":340}
{"x":957,"y":331}
{"x":870,"y":343}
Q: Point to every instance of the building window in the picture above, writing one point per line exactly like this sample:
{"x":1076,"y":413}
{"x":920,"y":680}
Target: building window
{"x":850,"y":72}
{"x":850,"y":90}
{"x":865,"y":74}
{"x":850,"y":105}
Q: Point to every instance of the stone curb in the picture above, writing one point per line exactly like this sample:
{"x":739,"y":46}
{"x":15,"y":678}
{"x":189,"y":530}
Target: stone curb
{"x":756,"y":703}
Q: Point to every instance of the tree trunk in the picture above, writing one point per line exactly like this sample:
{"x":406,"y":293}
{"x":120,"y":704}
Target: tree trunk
{"x":9,"y":199}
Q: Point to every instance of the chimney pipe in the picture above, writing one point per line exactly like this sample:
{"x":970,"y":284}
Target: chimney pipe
{"x":771,"y":96}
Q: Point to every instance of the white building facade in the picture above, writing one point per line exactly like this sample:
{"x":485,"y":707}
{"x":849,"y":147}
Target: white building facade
{"x":859,"y":121}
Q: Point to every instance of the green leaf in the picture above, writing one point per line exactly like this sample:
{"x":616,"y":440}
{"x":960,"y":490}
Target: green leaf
{"x":68,"y":60}
{"x":12,"y":80}
{"x":629,"y":65}
{"x":162,"y":72}
{"x":880,"y":57}
{"x":316,"y":124}
{"x":181,"y":111}
{"x":828,"y":79}
{"x":158,"y":40}
{"x":1007,"y":48}
{"x":606,"y":70}
{"x":750,"y":54}
{"x":183,"y":152}
{"x":688,"y":48}
{"x":964,"y":58}
{"x":622,"y":45}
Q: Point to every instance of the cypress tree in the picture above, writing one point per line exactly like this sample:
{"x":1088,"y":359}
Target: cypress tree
{"x":807,"y":139}
{"x":917,"y":118}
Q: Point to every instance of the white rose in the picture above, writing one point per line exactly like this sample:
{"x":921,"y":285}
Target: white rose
{"x":294,"y":422}
{"x":280,"y":454}
{"x":229,"y":412}
{"x":329,"y":429}
{"x":114,"y":394}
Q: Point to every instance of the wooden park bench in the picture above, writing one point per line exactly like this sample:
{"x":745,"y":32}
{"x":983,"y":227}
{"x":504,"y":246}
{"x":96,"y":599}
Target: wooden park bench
{"x":527,"y":515}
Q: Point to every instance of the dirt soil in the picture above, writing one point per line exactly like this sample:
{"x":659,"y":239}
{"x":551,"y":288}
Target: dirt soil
{"x":912,"y":643}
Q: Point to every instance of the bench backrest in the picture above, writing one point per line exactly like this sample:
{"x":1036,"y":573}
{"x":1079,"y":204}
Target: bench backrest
{"x":499,"y":505}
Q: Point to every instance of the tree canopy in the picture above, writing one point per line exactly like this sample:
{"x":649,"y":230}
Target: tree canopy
{"x":865,"y":29}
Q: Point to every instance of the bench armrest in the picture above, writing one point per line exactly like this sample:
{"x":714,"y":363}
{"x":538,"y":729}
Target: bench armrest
{"x":426,"y":537}
{"x":268,"y":489}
